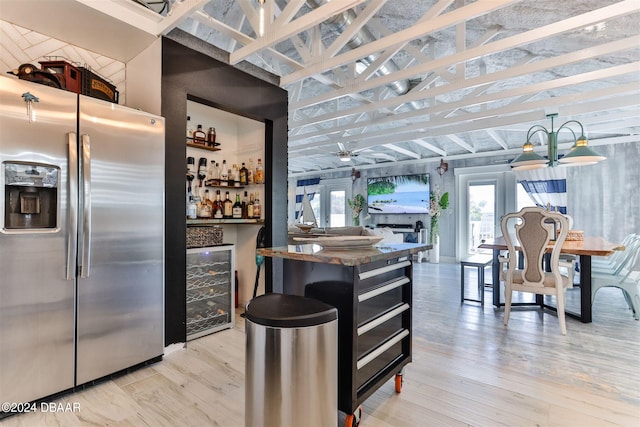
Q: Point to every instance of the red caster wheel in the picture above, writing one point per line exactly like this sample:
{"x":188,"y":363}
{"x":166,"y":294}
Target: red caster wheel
{"x":353,"y":420}
{"x":398,"y":382}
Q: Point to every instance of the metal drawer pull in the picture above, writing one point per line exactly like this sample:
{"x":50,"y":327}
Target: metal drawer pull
{"x":378,"y":351}
{"x":380,"y":320}
{"x":382,"y":289}
{"x":386,"y":269}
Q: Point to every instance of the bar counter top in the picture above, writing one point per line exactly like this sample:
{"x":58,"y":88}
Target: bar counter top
{"x":343,"y":256}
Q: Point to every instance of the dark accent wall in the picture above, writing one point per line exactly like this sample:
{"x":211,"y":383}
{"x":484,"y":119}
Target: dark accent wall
{"x":189,"y":73}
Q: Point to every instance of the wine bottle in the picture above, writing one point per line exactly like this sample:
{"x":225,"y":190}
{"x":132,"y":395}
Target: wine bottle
{"x":245,"y":204}
{"x":202,"y":170}
{"x":237,"y":208}
{"x":228,"y":207}
{"x":191,"y":172}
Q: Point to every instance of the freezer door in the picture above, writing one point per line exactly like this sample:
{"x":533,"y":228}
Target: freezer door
{"x":120,"y":313}
{"x":37,"y":263}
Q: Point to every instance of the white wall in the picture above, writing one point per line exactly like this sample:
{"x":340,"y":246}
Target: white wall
{"x":144,"y":80}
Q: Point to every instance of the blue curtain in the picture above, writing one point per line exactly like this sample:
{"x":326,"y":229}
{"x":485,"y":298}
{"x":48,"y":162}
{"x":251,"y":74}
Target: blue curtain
{"x":546,"y":186}
{"x":311,"y":185}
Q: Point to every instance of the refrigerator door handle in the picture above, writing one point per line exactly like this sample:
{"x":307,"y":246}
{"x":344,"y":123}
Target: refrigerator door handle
{"x":72,"y":226}
{"x":85,"y":262}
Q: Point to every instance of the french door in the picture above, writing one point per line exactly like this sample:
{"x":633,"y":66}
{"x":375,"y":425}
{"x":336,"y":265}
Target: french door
{"x":486,"y":194}
{"x":333,"y":208}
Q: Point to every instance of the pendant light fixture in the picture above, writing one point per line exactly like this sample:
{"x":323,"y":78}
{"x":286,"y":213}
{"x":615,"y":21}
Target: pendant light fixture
{"x":580,"y":153}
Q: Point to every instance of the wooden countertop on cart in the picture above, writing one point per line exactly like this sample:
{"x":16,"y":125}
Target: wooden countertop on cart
{"x":348,"y":257}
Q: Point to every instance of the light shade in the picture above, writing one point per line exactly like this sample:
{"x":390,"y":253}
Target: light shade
{"x":582,"y":154}
{"x":528,"y":159}
{"x":345,"y":157}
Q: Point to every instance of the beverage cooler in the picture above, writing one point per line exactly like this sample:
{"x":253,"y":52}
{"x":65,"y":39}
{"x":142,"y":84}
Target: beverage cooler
{"x":210,"y":290}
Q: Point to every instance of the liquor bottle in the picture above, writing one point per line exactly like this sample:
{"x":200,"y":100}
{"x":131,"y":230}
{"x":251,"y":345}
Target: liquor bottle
{"x":259,"y":175}
{"x":236,"y":175}
{"x":211,"y":137}
{"x":218,"y":208}
{"x":205,"y":206}
{"x":202,"y":170}
{"x":208,"y":200}
{"x":199,"y":137}
{"x":245,"y":204}
{"x":211,"y":171}
{"x":198,"y":201}
{"x":244,"y":175}
{"x":192,"y":209}
{"x":228,"y":207}
{"x":250,"y":206}
{"x":257,"y":210}
{"x":224,"y":174}
{"x":189,"y":130}
{"x":230,"y":180}
{"x":250,"y":172}
{"x":216,"y":174}
{"x":237,"y":208}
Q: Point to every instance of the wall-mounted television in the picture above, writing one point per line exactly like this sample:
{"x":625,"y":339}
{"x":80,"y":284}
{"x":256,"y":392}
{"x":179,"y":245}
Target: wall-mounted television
{"x":401,"y":194}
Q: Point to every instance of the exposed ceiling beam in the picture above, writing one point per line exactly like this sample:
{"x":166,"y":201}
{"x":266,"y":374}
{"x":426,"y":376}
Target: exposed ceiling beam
{"x":438,"y":23}
{"x":509,"y":73}
{"x":581,"y":55}
{"x":275,"y":34}
{"x":494,"y":135}
{"x":614,"y":95}
{"x":401,"y":150}
{"x":239,"y":36}
{"x":362,"y":18}
{"x":462,"y":143}
{"x":430,"y":147}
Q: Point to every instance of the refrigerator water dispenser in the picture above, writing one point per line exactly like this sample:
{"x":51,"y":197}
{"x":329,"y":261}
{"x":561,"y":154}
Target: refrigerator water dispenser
{"x":30,"y":196}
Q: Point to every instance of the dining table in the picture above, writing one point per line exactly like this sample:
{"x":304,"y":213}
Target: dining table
{"x":588,"y":247}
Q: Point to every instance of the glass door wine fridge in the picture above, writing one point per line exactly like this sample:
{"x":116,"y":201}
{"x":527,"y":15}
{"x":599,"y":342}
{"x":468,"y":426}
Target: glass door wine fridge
{"x":210,"y":290}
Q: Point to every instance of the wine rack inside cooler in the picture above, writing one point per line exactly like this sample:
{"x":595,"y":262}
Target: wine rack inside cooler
{"x":210,"y":290}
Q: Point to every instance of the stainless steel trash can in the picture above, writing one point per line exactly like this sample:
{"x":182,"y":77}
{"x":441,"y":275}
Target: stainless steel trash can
{"x":291,"y":362}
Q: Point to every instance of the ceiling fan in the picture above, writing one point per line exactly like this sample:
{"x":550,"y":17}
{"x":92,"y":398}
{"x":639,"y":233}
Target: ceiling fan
{"x":344,"y":154}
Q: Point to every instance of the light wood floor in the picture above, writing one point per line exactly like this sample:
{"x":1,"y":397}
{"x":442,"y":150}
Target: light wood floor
{"x":467,"y":370}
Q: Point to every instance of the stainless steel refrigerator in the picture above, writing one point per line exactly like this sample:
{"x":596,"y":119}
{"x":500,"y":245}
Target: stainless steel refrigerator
{"x":81,"y":239}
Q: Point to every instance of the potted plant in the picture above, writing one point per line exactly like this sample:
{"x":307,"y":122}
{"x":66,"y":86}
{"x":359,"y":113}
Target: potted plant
{"x":356,"y":204}
{"x":437,"y":204}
